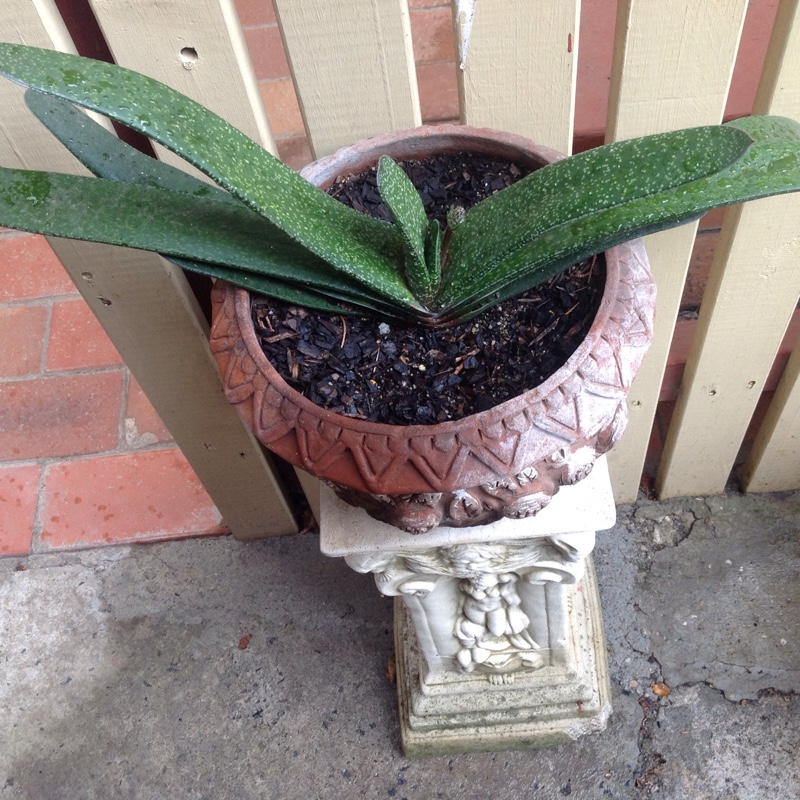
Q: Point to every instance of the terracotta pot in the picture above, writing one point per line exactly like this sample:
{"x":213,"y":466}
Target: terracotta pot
{"x":505,"y":462}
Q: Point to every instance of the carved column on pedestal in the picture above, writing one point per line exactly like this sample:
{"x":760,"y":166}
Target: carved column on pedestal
{"x":474,"y":606}
{"x":498,"y":631}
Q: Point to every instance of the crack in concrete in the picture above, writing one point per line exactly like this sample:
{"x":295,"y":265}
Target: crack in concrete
{"x":648,"y":766}
{"x":651,"y":761}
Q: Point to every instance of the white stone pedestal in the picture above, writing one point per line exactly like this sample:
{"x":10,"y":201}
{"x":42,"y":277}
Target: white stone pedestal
{"x":498,"y":628}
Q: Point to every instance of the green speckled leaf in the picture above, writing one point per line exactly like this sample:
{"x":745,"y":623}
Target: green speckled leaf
{"x":107,"y":156}
{"x":353,"y":243}
{"x":771,"y":165}
{"x":433,"y":249}
{"x":614,"y":175}
{"x":405,"y":205}
{"x":281,"y":290}
{"x":166,"y":222}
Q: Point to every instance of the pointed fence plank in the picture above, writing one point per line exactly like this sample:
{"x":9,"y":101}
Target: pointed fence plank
{"x":519,"y":68}
{"x":752,"y":292}
{"x":194,"y":46}
{"x":774,"y":461}
{"x":353,"y":68}
{"x":152,"y":318}
{"x":151,"y":315}
{"x":672,"y":68}
{"x":23,"y":141}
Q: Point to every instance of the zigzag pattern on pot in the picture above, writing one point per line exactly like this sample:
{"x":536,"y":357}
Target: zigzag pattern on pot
{"x":512,"y":437}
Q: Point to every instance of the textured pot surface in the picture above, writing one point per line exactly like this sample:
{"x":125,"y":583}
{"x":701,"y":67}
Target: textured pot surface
{"x":507,"y":461}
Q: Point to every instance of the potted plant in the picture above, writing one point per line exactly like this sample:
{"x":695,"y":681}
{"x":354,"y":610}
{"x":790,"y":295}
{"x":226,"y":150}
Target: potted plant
{"x":265,"y":229}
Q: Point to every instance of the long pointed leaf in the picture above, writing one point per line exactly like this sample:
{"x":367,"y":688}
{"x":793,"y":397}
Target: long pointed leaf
{"x":107,"y":156}
{"x":301,"y":295}
{"x":405,"y":204}
{"x":770,"y":166}
{"x":157,"y":219}
{"x":355,"y":244}
{"x":609,"y":176}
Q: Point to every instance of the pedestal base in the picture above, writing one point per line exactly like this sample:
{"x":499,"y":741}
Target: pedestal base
{"x":443,"y":711}
{"x":498,"y":628}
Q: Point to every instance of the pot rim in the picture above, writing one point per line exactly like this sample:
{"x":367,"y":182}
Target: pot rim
{"x":455,"y":138}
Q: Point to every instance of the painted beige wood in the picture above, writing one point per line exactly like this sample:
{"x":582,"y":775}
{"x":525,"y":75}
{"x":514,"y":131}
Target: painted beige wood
{"x":752,"y":293}
{"x":774,"y":461}
{"x":672,"y":67}
{"x":151,"y":315}
{"x":520,"y":69}
{"x":353,"y":68}
{"x":194,"y":46}
{"x":23,"y":142}
{"x":153,"y":320}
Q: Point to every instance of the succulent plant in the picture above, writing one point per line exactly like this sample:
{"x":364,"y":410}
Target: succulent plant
{"x":267,"y":229}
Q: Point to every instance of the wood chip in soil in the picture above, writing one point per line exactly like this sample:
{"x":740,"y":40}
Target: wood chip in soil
{"x":361,"y":367}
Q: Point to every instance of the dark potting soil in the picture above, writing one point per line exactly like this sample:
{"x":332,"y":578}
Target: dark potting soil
{"x":363,"y":367}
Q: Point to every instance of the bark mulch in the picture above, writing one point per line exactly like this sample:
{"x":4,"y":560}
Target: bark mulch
{"x":366,"y":368}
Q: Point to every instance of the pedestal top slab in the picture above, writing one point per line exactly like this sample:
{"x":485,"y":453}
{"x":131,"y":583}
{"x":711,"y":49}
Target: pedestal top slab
{"x":586,"y":506}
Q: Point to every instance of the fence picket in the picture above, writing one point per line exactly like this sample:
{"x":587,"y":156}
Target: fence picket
{"x":672,"y":67}
{"x":752,"y":293}
{"x":25,"y":143}
{"x":197,"y":48}
{"x":520,"y":68}
{"x":153,"y":320}
{"x":353,"y":68}
{"x":773,"y":464}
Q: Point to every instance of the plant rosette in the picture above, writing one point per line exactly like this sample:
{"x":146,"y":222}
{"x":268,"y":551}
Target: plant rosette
{"x":507,"y":461}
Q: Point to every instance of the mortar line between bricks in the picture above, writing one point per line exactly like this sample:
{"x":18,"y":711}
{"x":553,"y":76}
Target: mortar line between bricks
{"x":38,"y":516}
{"x":48,"y":323}
{"x":40,"y":300}
{"x":12,"y":234}
{"x":260,"y":26}
{"x":66,"y":373}
{"x":122,"y":439}
{"x":51,"y":460}
{"x":46,"y":550}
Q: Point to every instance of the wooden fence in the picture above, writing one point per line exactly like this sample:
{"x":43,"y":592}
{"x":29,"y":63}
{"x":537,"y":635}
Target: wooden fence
{"x":353,"y":68}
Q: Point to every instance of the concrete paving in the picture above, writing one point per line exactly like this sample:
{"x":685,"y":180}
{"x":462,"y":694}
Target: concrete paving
{"x":215,"y":669}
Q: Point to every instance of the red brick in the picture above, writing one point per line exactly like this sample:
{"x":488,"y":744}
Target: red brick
{"x":134,"y":497}
{"x":60,"y":416}
{"x":438,"y":91}
{"x":750,"y":57}
{"x":705,"y":245}
{"x":19,"y":488}
{"x":283,"y":111}
{"x":266,"y":52}
{"x":77,"y":340}
{"x":596,"y":48}
{"x":428,"y":4}
{"x":143,"y":426}
{"x":22,"y":332}
{"x":29,"y":268}
{"x":712,"y":220}
{"x":295,"y":151}
{"x":432,"y":35}
{"x":255,"y":12}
